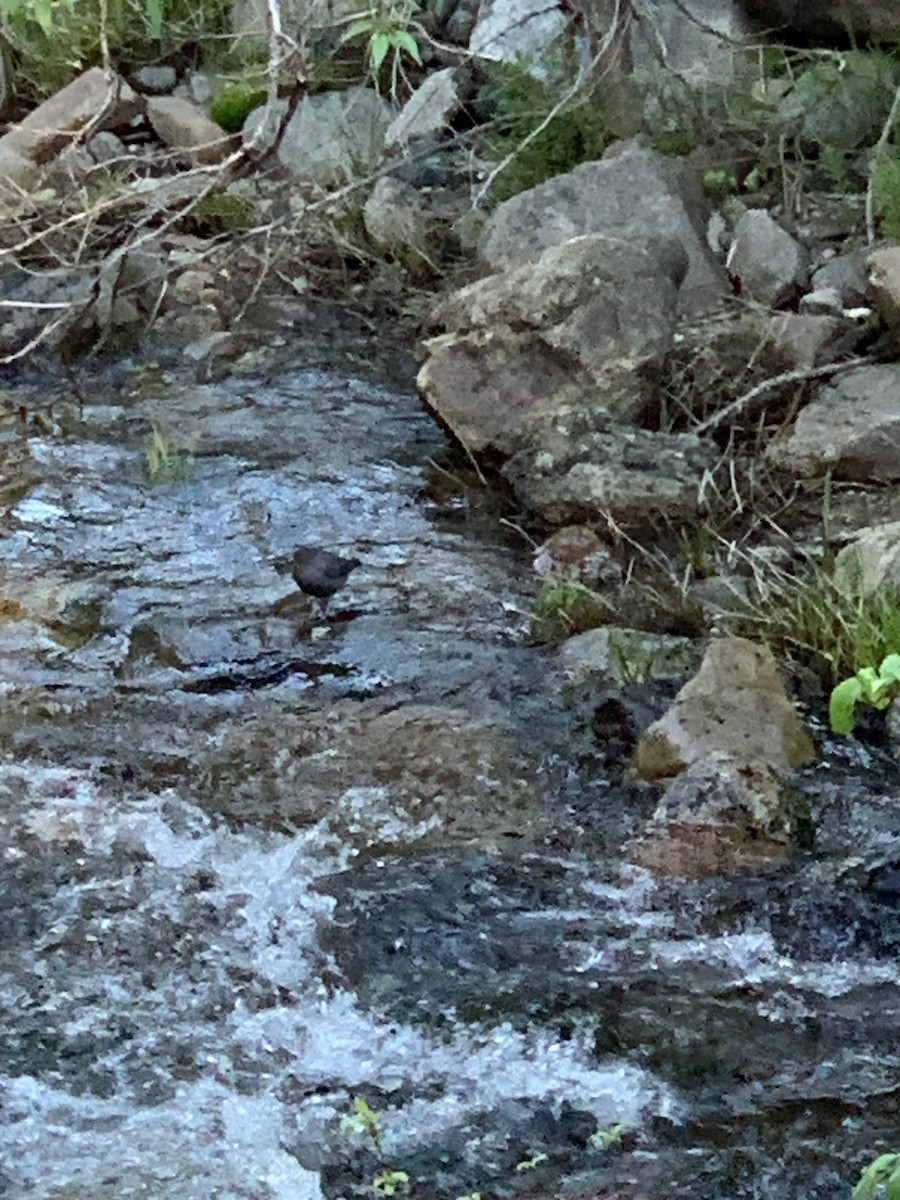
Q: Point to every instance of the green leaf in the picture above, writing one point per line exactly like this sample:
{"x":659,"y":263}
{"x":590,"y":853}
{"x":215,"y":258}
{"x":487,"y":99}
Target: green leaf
{"x":868,"y":677}
{"x":357,"y":29}
{"x":404,"y":40}
{"x":43,"y":14}
{"x":843,"y":703}
{"x":890,"y":668}
{"x":379,"y":45}
{"x":875,"y":1175}
{"x":154,"y":13}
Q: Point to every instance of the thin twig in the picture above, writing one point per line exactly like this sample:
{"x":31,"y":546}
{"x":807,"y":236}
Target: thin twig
{"x":749,"y":399}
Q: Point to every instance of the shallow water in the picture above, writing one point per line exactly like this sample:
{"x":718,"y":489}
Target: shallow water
{"x":258,"y":865}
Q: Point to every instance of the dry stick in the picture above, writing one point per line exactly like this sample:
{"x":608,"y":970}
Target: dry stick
{"x":748,"y":400}
{"x":876,"y":155}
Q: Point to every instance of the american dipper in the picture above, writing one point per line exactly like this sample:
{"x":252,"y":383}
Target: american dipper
{"x":320,"y":573}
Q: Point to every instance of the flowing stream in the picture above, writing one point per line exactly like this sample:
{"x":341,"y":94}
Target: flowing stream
{"x":298,"y":906}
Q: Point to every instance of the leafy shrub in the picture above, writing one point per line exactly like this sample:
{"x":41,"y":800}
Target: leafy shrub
{"x":881,"y":1178}
{"x":521,"y":95}
{"x":843,"y":99}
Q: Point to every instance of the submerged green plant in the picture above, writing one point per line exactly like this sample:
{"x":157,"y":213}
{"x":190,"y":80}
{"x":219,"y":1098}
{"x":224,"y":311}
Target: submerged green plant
{"x":867,"y":686}
{"x":164,"y":462}
{"x":363,"y":1122}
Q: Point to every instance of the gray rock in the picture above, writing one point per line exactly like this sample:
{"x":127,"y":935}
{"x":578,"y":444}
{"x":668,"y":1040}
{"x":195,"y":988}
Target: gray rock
{"x":428,"y":110}
{"x":508,"y":29}
{"x":332,"y":137}
{"x":851,"y":428}
{"x":769,"y":265}
{"x":613,"y":654}
{"x":584,"y":467}
{"x":846,"y":274}
{"x":397,"y":222}
{"x":155,"y":81}
{"x":633,"y":192}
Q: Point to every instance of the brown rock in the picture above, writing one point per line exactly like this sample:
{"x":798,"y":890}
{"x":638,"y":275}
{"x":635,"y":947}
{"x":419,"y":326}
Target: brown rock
{"x":720,"y":816}
{"x":418,"y":775}
{"x":884,"y":286}
{"x":183,"y":125}
{"x":584,"y":323}
{"x":735,"y":704}
{"x":58,"y":121}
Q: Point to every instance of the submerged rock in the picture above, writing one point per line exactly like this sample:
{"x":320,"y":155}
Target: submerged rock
{"x":377,"y":775}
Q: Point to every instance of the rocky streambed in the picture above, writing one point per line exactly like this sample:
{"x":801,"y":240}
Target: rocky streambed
{"x":298,"y":907}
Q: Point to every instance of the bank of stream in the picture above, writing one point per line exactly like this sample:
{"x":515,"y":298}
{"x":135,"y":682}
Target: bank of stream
{"x":298,"y":906}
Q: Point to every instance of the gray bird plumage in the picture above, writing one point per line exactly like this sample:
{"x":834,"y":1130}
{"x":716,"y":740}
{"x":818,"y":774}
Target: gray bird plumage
{"x":320,"y":573}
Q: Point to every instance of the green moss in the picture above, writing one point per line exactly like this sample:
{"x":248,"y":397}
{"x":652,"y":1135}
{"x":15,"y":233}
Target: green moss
{"x":220,"y":212}
{"x":232,"y":105}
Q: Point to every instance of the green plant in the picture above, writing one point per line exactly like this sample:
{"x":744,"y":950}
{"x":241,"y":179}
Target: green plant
{"x":534,"y":1160}
{"x":829,"y":627}
{"x":522,"y":95}
{"x":881,"y":1178}
{"x":53,"y":40}
{"x":219,"y":212}
{"x":602,"y":1139}
{"x":565,"y":606}
{"x":886,"y":190}
{"x":390,"y":1183}
{"x":867,"y":686}
{"x":165,"y":463}
{"x":385,"y":28}
{"x":363,"y":1122}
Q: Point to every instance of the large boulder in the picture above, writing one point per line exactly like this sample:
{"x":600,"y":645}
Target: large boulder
{"x":332,"y":137}
{"x":585,"y":323}
{"x":633,"y":194}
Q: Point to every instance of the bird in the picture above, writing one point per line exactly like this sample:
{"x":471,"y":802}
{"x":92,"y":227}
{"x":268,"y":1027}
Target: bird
{"x":320,"y":573}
